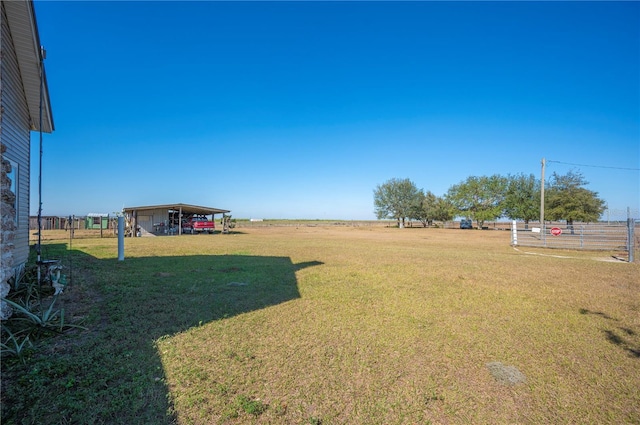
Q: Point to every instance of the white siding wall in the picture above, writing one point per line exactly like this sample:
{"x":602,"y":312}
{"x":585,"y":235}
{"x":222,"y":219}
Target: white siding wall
{"x":147,"y":218}
{"x":14,"y":133}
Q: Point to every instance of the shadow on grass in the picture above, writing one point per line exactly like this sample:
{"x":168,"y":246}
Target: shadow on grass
{"x":112,"y":373}
{"x":597,"y":313}
{"x":613,"y":337}
{"x":168,"y":295}
{"x":616,"y":339}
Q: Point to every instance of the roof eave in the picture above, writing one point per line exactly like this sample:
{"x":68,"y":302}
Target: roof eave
{"x":24,"y":31}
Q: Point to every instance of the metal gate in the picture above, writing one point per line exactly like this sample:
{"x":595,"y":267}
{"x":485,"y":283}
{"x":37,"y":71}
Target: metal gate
{"x":617,"y":236}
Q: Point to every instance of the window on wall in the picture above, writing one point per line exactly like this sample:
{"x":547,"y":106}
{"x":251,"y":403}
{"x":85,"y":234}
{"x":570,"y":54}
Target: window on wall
{"x":12,"y":175}
{"x":96,"y":220}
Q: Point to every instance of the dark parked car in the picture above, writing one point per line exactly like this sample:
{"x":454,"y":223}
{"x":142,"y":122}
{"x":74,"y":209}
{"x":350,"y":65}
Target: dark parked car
{"x":466,"y":224}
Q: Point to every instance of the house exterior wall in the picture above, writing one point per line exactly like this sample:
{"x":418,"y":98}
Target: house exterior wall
{"x":15,"y":136}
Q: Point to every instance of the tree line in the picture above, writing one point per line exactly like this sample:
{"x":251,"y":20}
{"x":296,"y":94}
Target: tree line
{"x":487,"y":198}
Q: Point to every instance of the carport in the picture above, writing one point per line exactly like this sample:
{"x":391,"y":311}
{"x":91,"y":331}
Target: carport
{"x":156,"y":220}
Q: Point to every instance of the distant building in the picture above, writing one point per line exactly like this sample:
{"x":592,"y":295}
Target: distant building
{"x":155,"y":220}
{"x":52,"y":222}
{"x":96,"y":221}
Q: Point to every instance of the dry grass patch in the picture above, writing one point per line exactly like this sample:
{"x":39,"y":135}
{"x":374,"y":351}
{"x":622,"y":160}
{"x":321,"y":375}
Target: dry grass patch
{"x":379,"y":326}
{"x":399,"y":326}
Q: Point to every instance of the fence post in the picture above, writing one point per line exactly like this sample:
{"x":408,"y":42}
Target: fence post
{"x":514,"y":233}
{"x":631,"y":238}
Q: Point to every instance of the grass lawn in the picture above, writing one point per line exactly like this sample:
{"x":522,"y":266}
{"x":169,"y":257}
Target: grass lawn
{"x":335,"y":325}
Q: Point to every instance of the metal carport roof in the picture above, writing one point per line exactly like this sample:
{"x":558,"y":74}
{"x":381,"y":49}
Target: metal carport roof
{"x":185,"y":208}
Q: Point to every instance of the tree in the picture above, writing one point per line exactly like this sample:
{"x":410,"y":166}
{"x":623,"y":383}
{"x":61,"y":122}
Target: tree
{"x":433,"y":208}
{"x":479,"y":198}
{"x":568,"y":199}
{"x":522,"y":198}
{"x":417,"y":211}
{"x":395,"y":199}
{"x":422,"y":209}
{"x":443,"y":210}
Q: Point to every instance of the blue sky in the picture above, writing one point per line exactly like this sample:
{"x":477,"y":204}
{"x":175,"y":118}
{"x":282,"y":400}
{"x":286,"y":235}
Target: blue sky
{"x":300,"y":109}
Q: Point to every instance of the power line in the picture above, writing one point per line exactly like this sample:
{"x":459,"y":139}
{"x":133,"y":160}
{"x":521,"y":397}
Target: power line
{"x":594,"y":166}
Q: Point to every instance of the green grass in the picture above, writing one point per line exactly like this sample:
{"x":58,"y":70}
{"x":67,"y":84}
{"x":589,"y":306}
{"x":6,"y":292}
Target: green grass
{"x":326,"y":325}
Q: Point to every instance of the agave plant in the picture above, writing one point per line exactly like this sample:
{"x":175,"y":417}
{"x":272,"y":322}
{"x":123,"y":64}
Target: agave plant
{"x":15,"y":346}
{"x":34,"y":322}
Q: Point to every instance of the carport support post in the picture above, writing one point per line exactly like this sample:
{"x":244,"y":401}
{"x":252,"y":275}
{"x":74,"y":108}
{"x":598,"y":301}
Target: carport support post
{"x":121,"y":238}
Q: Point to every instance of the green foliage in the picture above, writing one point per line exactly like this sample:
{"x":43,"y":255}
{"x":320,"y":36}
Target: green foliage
{"x":443,"y":210}
{"x":32,"y":317}
{"x":486,"y":198}
{"x":396,"y":198}
{"x":568,"y":199}
{"x":432,"y":208}
{"x":420,"y":209}
{"x":35,"y":321}
{"x":479,"y":198}
{"x":522,"y":198}
{"x":15,"y":346}
{"x":24,"y":281}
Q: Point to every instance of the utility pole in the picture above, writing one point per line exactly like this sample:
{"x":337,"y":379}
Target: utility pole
{"x":542,"y":196}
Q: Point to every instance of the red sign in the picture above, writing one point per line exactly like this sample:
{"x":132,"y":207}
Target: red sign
{"x":556,"y":231}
